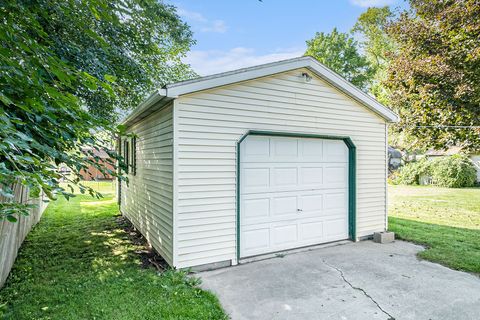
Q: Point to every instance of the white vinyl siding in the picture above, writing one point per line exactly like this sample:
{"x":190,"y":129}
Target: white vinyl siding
{"x":147,"y":201}
{"x":208,"y":125}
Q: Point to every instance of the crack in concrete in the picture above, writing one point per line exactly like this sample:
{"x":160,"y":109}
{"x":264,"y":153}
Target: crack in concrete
{"x":359,"y":289}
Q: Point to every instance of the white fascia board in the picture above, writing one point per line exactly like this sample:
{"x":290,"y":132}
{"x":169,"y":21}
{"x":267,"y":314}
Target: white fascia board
{"x":230,"y":77}
{"x":142,"y":108}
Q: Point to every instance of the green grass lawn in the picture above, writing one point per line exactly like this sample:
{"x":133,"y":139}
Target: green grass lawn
{"x":79,"y":263}
{"x":104,"y":187}
{"x":446,"y":221}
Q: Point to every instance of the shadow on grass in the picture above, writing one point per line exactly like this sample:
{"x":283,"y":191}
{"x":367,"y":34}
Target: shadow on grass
{"x":456,"y":248}
{"x":80,"y":263}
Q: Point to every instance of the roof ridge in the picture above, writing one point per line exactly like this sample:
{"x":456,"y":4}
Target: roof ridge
{"x":236,"y":71}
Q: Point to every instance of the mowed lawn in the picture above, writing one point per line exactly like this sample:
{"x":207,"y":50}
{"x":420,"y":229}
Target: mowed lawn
{"x":80,"y":263}
{"x":445,"y":220}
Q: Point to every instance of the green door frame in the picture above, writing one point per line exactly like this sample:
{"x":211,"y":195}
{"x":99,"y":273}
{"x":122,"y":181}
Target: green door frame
{"x":352,"y":179}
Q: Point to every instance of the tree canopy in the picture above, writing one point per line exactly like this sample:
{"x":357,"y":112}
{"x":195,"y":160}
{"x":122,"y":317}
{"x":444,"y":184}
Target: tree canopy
{"x":66,"y":67}
{"x":339,"y":52}
{"x":376,"y":45}
{"x":434,"y":75}
{"x":137,"y":43}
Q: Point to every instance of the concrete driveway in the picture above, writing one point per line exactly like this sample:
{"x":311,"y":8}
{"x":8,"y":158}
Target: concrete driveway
{"x":363,"y":280}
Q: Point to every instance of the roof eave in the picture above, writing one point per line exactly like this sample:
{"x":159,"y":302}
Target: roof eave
{"x":235,"y":76}
{"x":158,"y":97}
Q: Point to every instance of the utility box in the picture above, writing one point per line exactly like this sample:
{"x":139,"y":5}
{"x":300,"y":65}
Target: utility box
{"x":384,"y":237}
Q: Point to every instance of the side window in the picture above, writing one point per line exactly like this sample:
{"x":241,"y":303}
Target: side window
{"x":119,"y":144}
{"x":125,"y":155}
{"x":134,"y":156}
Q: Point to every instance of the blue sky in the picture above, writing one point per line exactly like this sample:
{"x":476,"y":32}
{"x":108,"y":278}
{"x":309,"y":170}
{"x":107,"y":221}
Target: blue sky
{"x":233,"y":34}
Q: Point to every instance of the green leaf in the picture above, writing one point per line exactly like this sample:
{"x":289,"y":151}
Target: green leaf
{"x":6,"y":100}
{"x":110,"y":78}
{"x":122,"y":128}
{"x":89,"y":81}
{"x":60,"y":74}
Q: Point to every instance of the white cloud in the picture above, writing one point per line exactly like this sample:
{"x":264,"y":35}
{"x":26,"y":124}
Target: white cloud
{"x":372,"y":3}
{"x":217,"y":26}
{"x":215,"y":61}
{"x":191,"y":15}
{"x":201,"y":23}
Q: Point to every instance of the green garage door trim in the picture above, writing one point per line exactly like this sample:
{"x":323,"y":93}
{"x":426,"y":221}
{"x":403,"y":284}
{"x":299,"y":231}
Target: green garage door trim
{"x":352,"y":181}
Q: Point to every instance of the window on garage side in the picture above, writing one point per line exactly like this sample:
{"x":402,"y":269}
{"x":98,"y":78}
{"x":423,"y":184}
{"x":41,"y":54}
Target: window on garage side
{"x":126,"y":154}
{"x":133,"y":159}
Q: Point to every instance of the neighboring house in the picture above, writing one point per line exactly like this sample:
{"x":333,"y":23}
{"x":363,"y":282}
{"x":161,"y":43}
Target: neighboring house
{"x":92,"y":173}
{"x":255,"y":161}
{"x":475,"y":157}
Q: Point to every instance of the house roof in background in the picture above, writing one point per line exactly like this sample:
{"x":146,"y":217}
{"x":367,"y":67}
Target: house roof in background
{"x":102,"y":154}
{"x":174,"y":90}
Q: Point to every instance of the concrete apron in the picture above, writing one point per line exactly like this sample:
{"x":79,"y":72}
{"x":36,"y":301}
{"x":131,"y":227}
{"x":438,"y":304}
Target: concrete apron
{"x":363,"y":280}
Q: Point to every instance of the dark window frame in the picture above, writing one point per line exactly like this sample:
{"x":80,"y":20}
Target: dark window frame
{"x":134,"y":155}
{"x":126,"y":155}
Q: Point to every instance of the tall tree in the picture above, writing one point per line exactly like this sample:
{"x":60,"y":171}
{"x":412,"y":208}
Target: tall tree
{"x":137,"y":43}
{"x":377,"y":45}
{"x":338,"y":51}
{"x":65,"y":66}
{"x":434,"y":76}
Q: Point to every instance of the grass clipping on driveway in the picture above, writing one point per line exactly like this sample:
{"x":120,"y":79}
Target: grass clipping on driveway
{"x":79,"y":263}
{"x":446,"y":221}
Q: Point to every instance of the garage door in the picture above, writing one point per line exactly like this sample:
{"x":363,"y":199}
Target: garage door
{"x":293,"y":193}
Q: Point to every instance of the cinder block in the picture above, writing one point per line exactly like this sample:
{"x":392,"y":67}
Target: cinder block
{"x":384,"y":237}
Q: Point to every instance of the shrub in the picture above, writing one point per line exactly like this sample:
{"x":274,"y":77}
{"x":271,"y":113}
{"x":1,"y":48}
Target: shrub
{"x":393,"y":177}
{"x":410,"y":173}
{"x":456,"y":171}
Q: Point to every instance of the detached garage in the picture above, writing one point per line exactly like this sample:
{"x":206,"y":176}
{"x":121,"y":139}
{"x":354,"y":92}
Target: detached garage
{"x":255,"y":161}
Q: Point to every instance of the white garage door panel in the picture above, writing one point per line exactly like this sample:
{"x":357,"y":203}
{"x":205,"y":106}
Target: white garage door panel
{"x":293,"y":193}
{"x":285,"y":234}
{"x":335,"y":228}
{"x":312,"y":231}
{"x":257,"y":240}
{"x":311,"y":176}
{"x":257,"y":177}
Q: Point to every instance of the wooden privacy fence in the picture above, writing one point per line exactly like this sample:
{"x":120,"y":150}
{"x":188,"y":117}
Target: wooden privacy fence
{"x":12,"y":234}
